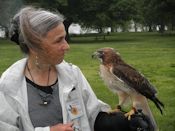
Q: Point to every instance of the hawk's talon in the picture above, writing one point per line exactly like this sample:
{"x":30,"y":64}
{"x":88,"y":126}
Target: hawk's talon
{"x":130,"y":113}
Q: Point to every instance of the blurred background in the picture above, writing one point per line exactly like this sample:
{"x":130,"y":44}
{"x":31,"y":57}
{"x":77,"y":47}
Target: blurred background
{"x":100,"y":16}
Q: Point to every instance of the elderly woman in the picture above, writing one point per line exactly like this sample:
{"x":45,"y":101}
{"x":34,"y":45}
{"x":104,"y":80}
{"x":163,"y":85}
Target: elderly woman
{"x":43,"y":92}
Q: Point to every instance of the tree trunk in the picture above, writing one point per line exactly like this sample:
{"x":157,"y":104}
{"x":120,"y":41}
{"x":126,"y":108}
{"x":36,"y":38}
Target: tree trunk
{"x":67,"y":23}
{"x":173,"y":24}
{"x":150,"y":28}
{"x":162,"y":28}
{"x":6,"y":32}
{"x":135,"y":26}
{"x":112,"y":29}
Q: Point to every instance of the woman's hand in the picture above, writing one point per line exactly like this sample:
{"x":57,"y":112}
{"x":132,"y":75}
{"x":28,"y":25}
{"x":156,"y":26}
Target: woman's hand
{"x":62,"y":127}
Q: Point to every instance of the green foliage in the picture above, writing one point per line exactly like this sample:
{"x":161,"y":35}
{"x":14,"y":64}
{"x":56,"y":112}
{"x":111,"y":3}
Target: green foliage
{"x":151,"y":53}
{"x":7,"y":9}
{"x":159,"y":12}
{"x":48,"y":4}
{"x":99,"y":14}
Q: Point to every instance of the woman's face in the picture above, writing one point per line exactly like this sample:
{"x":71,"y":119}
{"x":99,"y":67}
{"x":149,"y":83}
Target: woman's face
{"x":54,"y":46}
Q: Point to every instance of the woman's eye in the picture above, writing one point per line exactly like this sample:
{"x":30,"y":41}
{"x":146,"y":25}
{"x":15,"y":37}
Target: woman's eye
{"x":61,"y":39}
{"x":58,"y":41}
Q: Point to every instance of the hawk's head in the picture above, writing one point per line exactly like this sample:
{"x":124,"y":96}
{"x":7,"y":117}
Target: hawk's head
{"x":107,"y":55}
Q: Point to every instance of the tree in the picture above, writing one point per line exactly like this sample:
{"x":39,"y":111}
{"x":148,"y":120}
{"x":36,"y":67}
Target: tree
{"x":69,"y":8}
{"x":158,"y":12}
{"x":121,"y":12}
{"x":94,"y":14}
{"x":72,"y":10}
{"x":8,"y":8}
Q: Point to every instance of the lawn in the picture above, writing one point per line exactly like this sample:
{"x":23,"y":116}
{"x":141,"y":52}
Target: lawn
{"x":151,"y":53}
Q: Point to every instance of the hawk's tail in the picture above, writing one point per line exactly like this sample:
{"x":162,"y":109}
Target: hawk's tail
{"x":158,"y":104}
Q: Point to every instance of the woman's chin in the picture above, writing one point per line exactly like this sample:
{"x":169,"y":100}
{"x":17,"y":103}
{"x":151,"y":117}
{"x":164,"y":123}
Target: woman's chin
{"x":58,"y":62}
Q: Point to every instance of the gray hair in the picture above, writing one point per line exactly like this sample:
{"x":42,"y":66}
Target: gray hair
{"x":30,"y":25}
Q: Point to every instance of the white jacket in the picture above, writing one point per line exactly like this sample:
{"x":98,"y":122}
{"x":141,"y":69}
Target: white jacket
{"x":14,"y":114}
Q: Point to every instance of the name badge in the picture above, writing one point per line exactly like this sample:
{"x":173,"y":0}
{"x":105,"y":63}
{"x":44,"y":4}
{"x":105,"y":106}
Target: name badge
{"x":74,"y":109}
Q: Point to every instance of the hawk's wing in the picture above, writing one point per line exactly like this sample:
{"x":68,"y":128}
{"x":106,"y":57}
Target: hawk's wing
{"x":134,"y":79}
{"x":137,"y":81}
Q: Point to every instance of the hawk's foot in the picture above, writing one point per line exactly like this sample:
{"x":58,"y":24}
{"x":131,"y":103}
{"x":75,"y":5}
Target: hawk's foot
{"x":130,"y":113}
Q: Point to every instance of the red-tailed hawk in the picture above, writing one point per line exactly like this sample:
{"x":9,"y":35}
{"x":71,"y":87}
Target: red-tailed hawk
{"x":127,"y":83}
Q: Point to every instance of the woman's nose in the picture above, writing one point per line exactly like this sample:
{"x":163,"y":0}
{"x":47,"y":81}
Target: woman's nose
{"x":66,"y":46}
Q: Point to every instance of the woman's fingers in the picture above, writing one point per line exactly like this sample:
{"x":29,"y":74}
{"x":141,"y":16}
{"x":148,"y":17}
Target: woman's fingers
{"x":62,"y":127}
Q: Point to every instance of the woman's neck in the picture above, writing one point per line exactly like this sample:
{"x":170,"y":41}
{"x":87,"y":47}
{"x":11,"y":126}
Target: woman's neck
{"x":41,"y":74}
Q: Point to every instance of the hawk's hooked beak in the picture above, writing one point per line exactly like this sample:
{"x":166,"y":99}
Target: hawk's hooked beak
{"x":97,"y":55}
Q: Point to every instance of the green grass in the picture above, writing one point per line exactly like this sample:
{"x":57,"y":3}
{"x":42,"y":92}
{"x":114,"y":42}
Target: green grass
{"x":151,"y":53}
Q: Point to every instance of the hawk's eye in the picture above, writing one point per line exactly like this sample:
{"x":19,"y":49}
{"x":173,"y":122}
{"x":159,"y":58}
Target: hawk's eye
{"x":101,"y":53}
